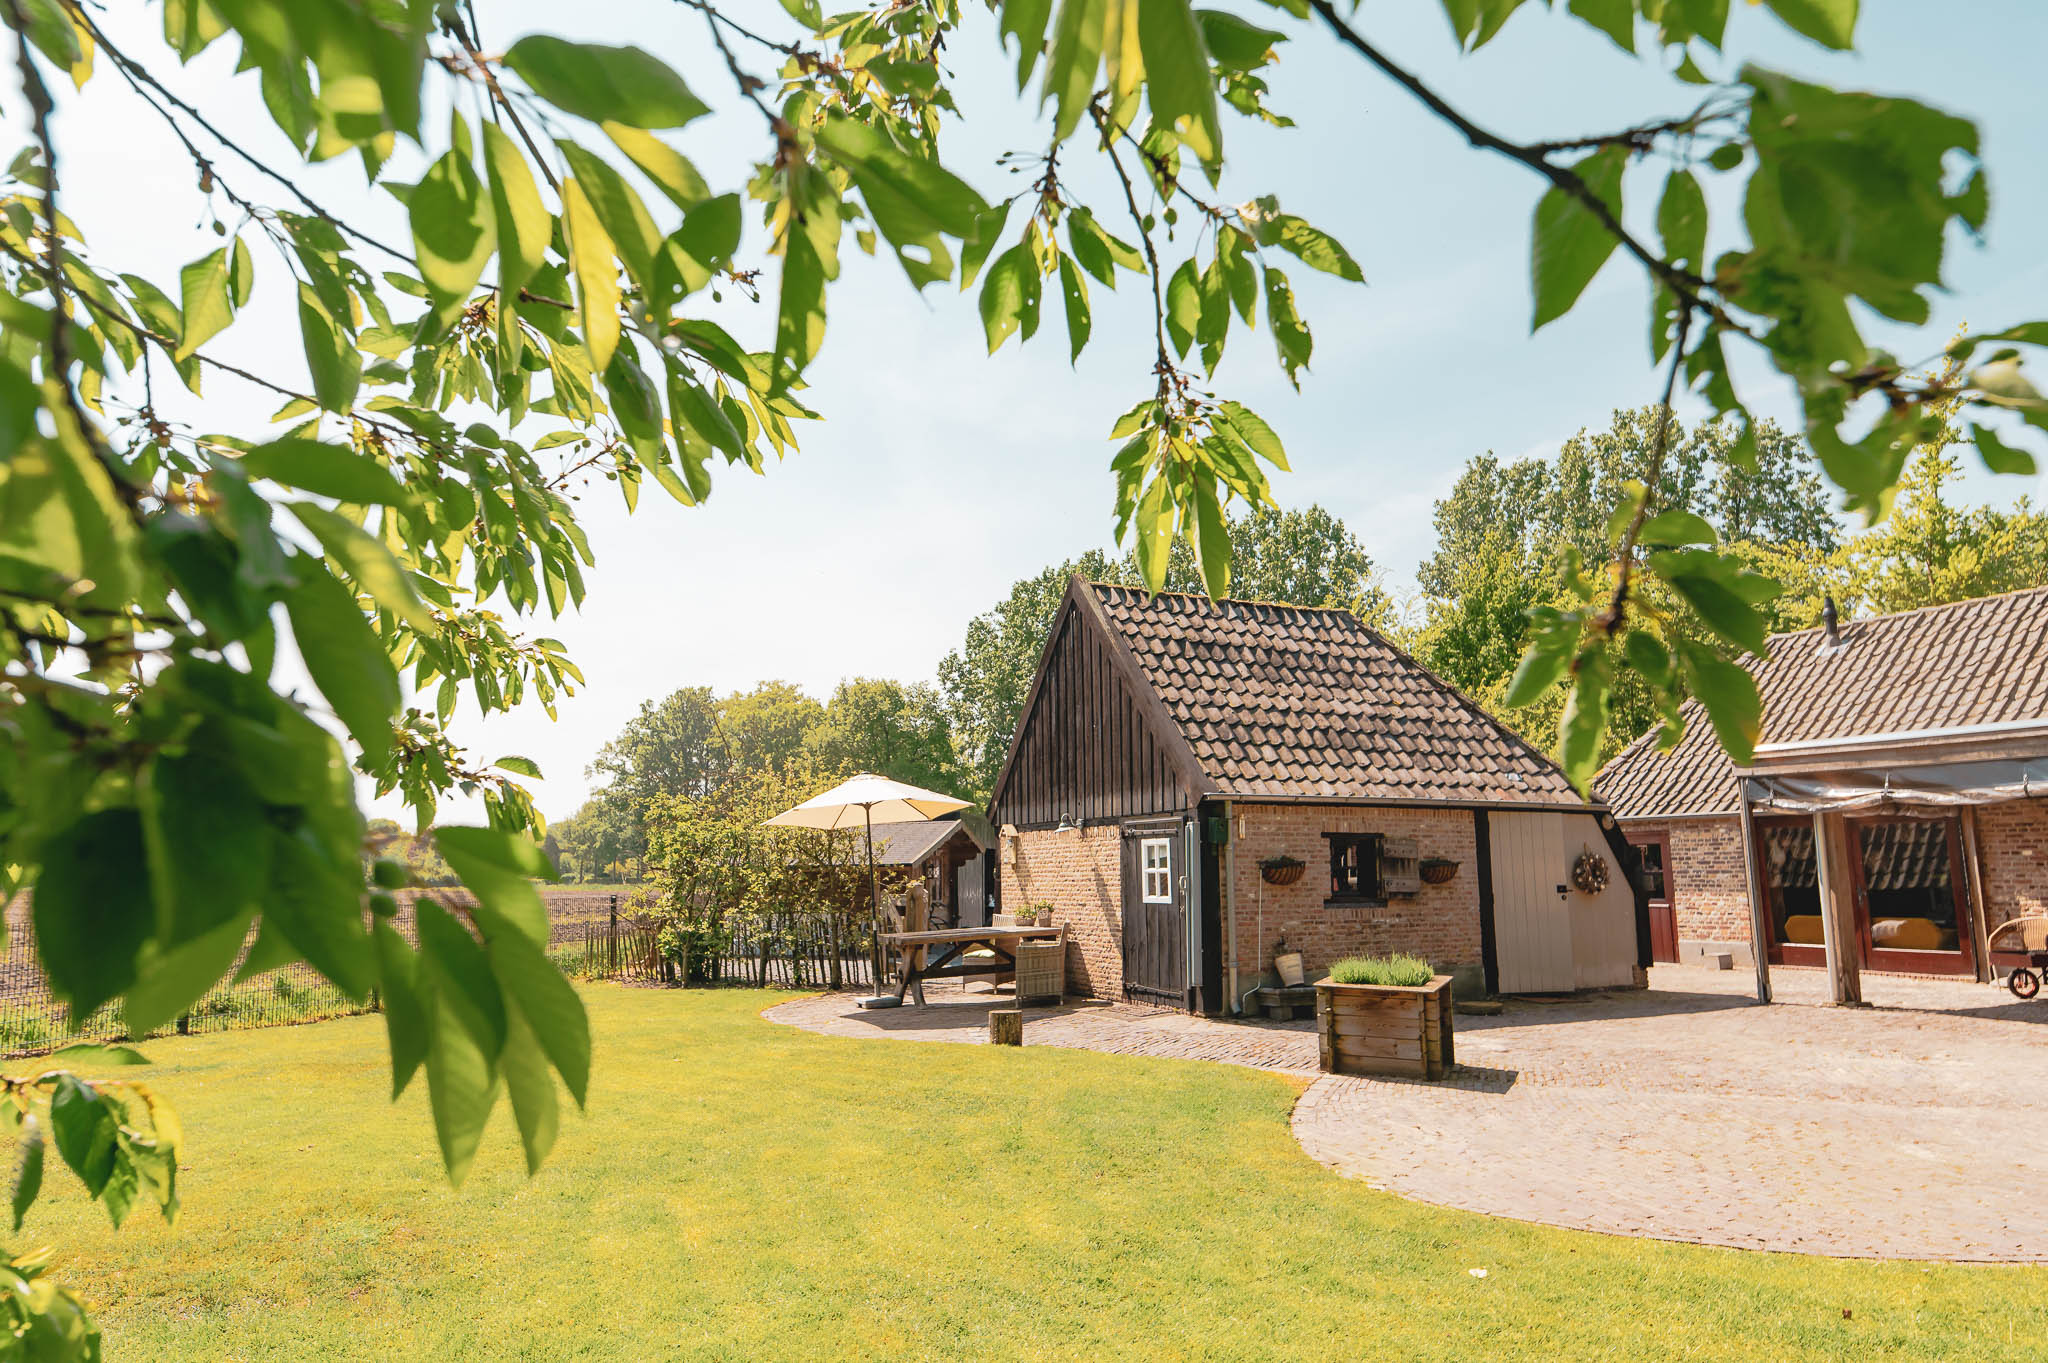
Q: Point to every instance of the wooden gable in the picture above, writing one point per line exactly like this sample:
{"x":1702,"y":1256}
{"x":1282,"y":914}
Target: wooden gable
{"x":1094,"y":743}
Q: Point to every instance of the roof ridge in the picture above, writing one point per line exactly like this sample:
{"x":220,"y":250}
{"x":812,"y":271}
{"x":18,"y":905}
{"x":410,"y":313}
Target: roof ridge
{"x":1222,"y":600}
{"x":1912,"y":611}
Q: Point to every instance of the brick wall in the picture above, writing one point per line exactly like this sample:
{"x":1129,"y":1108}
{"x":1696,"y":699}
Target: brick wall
{"x":2012,"y":842}
{"x":1081,"y":876}
{"x":1441,"y":924}
{"x":1708,"y":883}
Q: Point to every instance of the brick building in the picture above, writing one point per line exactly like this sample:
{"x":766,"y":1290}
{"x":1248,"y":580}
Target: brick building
{"x":1896,"y":811}
{"x":1172,"y":744}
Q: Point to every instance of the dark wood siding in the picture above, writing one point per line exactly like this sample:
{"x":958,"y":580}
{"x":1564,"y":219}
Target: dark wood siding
{"x":1086,"y":750}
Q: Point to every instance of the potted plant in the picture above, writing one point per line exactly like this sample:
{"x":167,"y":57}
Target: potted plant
{"x":1281,"y":870}
{"x":1385,"y":1015}
{"x":1438,"y":870}
{"x":1042,"y":910}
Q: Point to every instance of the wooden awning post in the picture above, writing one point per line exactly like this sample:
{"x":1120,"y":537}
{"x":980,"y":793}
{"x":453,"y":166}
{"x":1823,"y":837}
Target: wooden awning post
{"x":1837,"y":910}
{"x":1759,"y":934}
{"x":1973,"y":872}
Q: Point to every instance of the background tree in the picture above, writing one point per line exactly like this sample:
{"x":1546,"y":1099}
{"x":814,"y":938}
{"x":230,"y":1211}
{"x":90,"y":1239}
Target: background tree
{"x":889,"y":728}
{"x":1507,"y":535}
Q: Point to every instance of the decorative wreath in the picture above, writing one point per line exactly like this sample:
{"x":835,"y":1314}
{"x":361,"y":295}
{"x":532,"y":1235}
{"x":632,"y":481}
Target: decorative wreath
{"x":1589,"y":873}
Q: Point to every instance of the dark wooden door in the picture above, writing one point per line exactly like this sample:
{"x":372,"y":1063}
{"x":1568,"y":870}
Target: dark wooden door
{"x":1653,"y":869}
{"x":1155,"y":915}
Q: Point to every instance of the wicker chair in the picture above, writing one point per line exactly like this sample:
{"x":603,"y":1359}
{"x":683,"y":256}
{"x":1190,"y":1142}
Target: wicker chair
{"x":1041,"y":969}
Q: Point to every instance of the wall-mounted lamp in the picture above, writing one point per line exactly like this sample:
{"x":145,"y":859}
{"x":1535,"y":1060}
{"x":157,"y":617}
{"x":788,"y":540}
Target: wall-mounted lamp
{"x":1067,"y":825}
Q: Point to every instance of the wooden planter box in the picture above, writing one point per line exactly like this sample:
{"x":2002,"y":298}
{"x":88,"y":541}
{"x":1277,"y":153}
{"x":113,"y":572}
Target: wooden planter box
{"x":1385,"y":1028}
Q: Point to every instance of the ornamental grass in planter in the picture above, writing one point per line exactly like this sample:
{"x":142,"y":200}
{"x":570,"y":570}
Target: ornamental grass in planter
{"x":1385,"y":1015}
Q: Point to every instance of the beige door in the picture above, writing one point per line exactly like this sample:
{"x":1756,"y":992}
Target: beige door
{"x":1532,"y":913}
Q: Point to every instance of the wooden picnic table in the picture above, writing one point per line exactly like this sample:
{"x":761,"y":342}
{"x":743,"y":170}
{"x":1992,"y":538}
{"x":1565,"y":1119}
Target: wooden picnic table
{"x":952,"y":944}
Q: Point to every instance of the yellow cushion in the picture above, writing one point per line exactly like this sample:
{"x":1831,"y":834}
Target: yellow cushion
{"x":1804,"y":929}
{"x":1910,"y":934}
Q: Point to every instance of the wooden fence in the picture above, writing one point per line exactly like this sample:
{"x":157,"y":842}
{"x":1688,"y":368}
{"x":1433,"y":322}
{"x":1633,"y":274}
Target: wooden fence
{"x":790,"y":951}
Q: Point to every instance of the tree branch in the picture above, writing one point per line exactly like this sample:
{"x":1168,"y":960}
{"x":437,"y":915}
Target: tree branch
{"x":1687,"y":286}
{"x":453,"y":25}
{"x":138,"y":76}
{"x":1617,"y":607}
{"x":1165,"y":365}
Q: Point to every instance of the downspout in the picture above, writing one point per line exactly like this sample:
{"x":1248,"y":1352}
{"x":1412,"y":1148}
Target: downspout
{"x":1229,"y":898}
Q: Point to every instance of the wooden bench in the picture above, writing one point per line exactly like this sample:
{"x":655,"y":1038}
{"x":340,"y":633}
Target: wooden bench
{"x":1284,"y":1003}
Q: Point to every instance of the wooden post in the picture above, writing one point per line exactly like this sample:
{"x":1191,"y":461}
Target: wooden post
{"x":1973,"y":870}
{"x":1759,"y":920}
{"x":1006,"y":1026}
{"x":1838,"y":909}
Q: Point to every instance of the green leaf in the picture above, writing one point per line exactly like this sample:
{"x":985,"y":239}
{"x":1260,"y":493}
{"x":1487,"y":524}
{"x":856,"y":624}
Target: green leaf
{"x":405,"y":1011}
{"x":1025,"y":21}
{"x":1998,"y":456}
{"x":318,"y":907}
{"x":1676,"y":527}
{"x":1290,"y":334}
{"x":1178,"y":84}
{"x":1010,"y":286}
{"x":1211,"y":539}
{"x":524,"y":766}
{"x":549,"y":1003}
{"x":1154,"y":518}
{"x":336,"y":365}
{"x":532,"y":1090}
{"x":1311,"y":245}
{"x":800,"y":308}
{"x":1682,"y":221}
{"x":695,"y":408}
{"x":461,"y":1086}
{"x":344,"y":656}
{"x":1099,"y":251}
{"x":1584,"y":722}
{"x":454,"y":232}
{"x":208,"y":308}
{"x":1074,"y":292}
{"x":1570,"y":244}
{"x":498,"y":867}
{"x":1235,"y":44}
{"x":325,"y":470}
{"x":523,"y":226}
{"x":1615,"y":18}
{"x":28,"y":1167}
{"x":1249,"y":427}
{"x":92,"y":908}
{"x":946,"y":200}
{"x":618,"y":209}
{"x":1543,"y":662}
{"x":370,"y":562}
{"x":1647,"y":656}
{"x":1723,"y":611}
{"x":605,"y":84}
{"x":1831,"y":23}
{"x":667,"y":169}
{"x":988,"y":230}
{"x":87,"y":1130}
{"x":1076,"y":56}
{"x":1728,"y":694}
{"x":1183,"y":307}
{"x":171,"y":981}
{"x":591,"y":254}
{"x":205,"y":829}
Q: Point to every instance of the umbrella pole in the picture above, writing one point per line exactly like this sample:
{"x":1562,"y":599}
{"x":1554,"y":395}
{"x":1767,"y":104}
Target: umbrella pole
{"x":867,"y":813}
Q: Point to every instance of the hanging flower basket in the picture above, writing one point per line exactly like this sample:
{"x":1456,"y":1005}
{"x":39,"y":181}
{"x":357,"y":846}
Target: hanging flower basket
{"x":1281,"y":870}
{"x":1438,"y":870}
{"x":1589,"y":873}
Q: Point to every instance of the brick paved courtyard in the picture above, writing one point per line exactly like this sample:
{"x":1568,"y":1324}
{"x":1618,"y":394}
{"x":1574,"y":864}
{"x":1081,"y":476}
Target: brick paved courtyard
{"x":1911,"y":1129}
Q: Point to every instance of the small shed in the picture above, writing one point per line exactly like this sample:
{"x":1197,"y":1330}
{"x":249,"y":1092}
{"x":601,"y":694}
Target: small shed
{"x":946,"y":855}
{"x":1197,"y":785}
{"x":1895,"y":813}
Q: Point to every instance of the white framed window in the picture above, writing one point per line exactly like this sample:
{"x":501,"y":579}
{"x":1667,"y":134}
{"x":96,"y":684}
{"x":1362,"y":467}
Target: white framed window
{"x":1156,"y":860}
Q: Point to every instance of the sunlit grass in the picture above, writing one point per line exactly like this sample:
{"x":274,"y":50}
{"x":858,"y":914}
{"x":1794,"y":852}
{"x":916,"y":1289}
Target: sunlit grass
{"x":745,"y":1191}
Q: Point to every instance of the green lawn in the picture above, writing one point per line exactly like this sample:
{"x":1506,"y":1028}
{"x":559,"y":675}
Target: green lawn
{"x":744,"y":1191}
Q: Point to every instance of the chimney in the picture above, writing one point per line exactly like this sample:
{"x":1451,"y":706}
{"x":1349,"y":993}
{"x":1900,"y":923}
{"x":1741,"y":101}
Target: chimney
{"x":1830,"y":619}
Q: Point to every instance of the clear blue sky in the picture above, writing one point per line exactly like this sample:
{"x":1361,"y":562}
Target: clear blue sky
{"x":950,"y":474}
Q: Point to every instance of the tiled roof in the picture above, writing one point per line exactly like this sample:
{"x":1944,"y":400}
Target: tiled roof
{"x":906,"y":844}
{"x":1983,"y":661}
{"x":1289,"y":702}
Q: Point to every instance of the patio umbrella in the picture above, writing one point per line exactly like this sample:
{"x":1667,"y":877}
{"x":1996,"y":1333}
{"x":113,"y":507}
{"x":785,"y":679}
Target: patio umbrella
{"x":857,"y":803}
